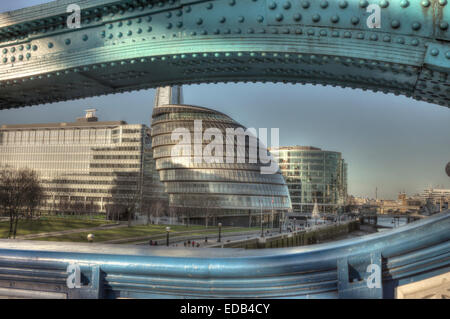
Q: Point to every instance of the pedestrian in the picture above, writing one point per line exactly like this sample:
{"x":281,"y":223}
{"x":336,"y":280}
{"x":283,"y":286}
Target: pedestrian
{"x":151,"y":242}
{"x":193,"y":243}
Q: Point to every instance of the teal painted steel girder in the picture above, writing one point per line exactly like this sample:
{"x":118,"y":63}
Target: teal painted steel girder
{"x":407,"y":254}
{"x":131,"y":45}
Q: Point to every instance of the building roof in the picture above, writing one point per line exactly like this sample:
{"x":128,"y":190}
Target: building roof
{"x":61,"y":125}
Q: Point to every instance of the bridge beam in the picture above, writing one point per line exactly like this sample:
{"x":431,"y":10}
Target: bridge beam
{"x":132,"y":45}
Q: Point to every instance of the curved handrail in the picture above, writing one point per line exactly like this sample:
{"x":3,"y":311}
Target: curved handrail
{"x":412,"y":252}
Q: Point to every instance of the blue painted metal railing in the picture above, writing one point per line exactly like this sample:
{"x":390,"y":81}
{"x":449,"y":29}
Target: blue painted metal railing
{"x":413,"y":252}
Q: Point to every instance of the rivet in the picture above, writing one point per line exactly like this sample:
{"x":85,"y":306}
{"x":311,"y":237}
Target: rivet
{"x":363,"y":3}
{"x":343,"y":4}
{"x":416,"y":26}
{"x":334,"y":19}
{"x":384,"y":3}
{"x":287,"y":5}
{"x":404,"y":3}
{"x":434,"y":52}
{"x":395,"y":24}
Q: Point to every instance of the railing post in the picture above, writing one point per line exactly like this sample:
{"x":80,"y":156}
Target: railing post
{"x":93,"y":291}
{"x":360,"y":276}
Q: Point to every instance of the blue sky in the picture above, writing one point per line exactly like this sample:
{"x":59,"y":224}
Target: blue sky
{"x":390,"y":142}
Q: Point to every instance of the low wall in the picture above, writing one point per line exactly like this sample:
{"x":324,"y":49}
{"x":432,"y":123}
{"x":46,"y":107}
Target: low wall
{"x":300,"y":238}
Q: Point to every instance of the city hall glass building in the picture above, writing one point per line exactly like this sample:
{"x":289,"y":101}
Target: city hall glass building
{"x":87,"y":165}
{"x":313,"y":175}
{"x":230,"y":193}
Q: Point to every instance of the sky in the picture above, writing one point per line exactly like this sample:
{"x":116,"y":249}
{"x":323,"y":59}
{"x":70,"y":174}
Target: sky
{"x":392,"y":143}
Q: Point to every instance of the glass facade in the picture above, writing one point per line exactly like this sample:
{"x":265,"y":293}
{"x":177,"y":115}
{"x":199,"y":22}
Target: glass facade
{"x":313,"y":175}
{"x":87,"y":163}
{"x":230,"y":193}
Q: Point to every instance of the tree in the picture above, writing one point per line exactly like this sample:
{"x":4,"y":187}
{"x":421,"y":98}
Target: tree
{"x":126,"y":197}
{"x":20,"y":194}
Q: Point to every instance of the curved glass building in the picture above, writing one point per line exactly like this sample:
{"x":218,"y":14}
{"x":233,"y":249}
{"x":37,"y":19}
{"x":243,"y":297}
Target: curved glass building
{"x":313,"y":175}
{"x":234,"y":193}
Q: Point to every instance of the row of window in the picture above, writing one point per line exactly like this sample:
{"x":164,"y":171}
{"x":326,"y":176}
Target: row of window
{"x":90,"y":190}
{"x":118,"y":148}
{"x":220,"y":175}
{"x":169,"y":163}
{"x":230,"y":201}
{"x":190,"y":116}
{"x":111,"y":165}
{"x":169,"y":127}
{"x":116,"y":157}
{"x":89,"y":182}
{"x":228,"y":188}
{"x":61,"y":136}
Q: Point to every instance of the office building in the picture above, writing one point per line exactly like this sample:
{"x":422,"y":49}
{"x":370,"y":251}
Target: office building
{"x":86,"y":166}
{"x":313,"y":175}
{"x":209,"y":193}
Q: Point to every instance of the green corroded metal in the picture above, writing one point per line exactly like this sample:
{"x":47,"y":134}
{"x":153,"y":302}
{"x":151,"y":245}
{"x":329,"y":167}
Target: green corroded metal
{"x":132,"y":45}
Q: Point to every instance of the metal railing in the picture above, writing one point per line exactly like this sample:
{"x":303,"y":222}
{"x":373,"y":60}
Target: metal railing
{"x":339,"y":269}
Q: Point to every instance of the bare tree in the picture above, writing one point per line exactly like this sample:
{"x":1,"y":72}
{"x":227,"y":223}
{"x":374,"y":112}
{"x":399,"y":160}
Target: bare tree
{"x":126,"y":200}
{"x":20,"y":194}
{"x":35,"y":196}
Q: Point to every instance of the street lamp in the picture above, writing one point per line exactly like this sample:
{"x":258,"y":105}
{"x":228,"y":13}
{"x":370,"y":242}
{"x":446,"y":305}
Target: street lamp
{"x":220,"y":232}
{"x":167,"y":239}
{"x":262,"y":226}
